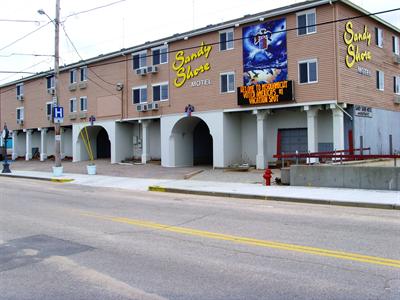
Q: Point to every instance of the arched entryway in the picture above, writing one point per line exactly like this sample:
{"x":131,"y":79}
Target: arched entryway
{"x":103,"y":144}
{"x":99,"y":142}
{"x":202,"y":145}
{"x":191,"y":143}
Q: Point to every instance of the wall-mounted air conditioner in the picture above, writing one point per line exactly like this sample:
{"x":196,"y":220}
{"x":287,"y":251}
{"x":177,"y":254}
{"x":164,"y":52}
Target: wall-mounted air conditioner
{"x":152,"y":69}
{"x":20,"y":121}
{"x":141,"y":71}
{"x":82,"y":115}
{"x":396,"y":99}
{"x":20,"y":97}
{"x":72,"y":87}
{"x":142,"y":107}
{"x":51,"y":91}
{"x":72,"y":116}
{"x":396,"y":59}
{"x":82,"y":85}
{"x":153,"y":106}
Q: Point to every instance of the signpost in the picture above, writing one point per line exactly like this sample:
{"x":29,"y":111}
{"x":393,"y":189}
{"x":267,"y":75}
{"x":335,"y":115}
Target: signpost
{"x":58,"y":113}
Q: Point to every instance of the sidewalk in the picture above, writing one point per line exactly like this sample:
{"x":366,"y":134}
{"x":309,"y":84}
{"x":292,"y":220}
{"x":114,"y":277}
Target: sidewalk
{"x":317,"y":195}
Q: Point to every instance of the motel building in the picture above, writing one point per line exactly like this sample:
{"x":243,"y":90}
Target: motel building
{"x":231,"y":93}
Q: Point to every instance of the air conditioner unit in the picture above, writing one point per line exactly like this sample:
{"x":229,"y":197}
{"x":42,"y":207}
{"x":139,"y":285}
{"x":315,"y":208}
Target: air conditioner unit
{"x":396,"y":59}
{"x":82,"y":115}
{"x":20,"y":121}
{"x":144,"y":107}
{"x":72,"y":87}
{"x":51,"y":91}
{"x":152,"y":69}
{"x":49,"y":117}
{"x":82,"y":85}
{"x":20,"y":97}
{"x":139,"y":107}
{"x":153,"y":106}
{"x":72,"y":116}
{"x":396,"y":99}
{"x":141,"y":71}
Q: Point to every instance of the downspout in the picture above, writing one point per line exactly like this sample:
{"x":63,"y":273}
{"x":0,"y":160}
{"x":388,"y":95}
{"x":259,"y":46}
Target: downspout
{"x":336,"y":51}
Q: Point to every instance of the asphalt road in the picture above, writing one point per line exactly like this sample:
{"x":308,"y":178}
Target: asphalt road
{"x":63,"y":241}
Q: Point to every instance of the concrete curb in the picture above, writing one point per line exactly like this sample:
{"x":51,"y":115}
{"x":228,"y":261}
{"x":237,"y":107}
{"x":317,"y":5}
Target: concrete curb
{"x":155,"y":188}
{"x":52,"y":179}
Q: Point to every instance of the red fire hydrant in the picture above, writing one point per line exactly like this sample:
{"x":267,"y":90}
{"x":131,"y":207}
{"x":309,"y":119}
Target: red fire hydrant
{"x":267,"y":176}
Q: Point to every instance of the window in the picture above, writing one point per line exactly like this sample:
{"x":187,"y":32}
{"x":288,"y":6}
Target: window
{"x":160,"y":55}
{"x":226,"y":40}
{"x":227,"y":82}
{"x":49,"y":109}
{"x":306,"y":21}
{"x":83,"y":72}
{"x":139,"y":60}
{"x":395,"y":45}
{"x":380,"y":84}
{"x":72,"y":105}
{"x":83,"y":103}
{"x":20,"y":91}
{"x":139,"y":94}
{"x":160,"y":92}
{"x":396,"y":85}
{"x":20,"y":113}
{"x":72,"y":76}
{"x":50,"y":82}
{"x":308,"y":71}
{"x":379,"y":37}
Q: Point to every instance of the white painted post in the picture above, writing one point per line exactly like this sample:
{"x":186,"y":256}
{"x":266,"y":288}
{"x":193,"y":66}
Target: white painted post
{"x":14,"y":145}
{"x":260,"y":158}
{"x":312,"y":132}
{"x":338,"y":129}
{"x":28,"y":152}
{"x":43,"y":144}
{"x":145,"y":141}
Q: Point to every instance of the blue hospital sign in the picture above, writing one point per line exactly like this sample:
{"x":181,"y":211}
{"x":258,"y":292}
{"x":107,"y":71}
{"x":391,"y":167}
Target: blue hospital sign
{"x":58,"y":113}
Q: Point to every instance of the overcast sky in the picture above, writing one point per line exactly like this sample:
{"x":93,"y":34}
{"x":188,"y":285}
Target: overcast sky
{"x":121,"y":25}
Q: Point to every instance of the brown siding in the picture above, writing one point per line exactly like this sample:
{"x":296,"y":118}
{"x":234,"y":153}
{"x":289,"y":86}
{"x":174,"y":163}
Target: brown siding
{"x":335,"y":80}
{"x":355,"y":88}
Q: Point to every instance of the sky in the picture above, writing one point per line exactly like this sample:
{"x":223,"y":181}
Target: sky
{"x":123,"y":24}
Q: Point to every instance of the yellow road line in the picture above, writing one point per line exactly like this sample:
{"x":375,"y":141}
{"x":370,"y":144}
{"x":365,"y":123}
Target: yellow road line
{"x":254,"y":242}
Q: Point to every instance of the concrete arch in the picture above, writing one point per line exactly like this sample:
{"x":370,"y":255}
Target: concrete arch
{"x":183,"y":138}
{"x":80,"y":152}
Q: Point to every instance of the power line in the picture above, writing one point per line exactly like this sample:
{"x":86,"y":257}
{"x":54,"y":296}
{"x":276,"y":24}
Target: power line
{"x":17,"y":72}
{"x":20,"y":21}
{"x":95,"y":8}
{"x":25,"y":54}
{"x":243,"y":38}
{"x":25,"y":36}
{"x":77,"y":52}
{"x":279,"y":31}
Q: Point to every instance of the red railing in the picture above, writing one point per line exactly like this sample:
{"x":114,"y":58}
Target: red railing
{"x":338,"y":155}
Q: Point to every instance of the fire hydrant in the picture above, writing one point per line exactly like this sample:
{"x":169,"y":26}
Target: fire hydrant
{"x":267,"y":176}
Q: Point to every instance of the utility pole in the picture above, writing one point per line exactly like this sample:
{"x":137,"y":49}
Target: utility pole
{"x":57,"y":169}
{"x":56,"y":86}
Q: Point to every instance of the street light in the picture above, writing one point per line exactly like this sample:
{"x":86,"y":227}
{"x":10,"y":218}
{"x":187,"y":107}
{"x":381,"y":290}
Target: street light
{"x":57,"y":169}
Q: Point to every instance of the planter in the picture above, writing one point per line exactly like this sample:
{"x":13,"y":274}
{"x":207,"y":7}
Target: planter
{"x":58,"y":171}
{"x":91,"y":169}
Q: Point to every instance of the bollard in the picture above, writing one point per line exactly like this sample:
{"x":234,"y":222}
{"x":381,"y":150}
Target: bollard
{"x":267,"y":176}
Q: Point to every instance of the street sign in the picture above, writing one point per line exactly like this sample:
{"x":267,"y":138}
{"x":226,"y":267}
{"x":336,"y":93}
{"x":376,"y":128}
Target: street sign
{"x":92,"y":119}
{"x":58,"y":113}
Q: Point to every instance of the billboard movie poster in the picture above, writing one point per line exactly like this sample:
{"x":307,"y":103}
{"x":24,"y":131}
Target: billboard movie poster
{"x":265,"y":52}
